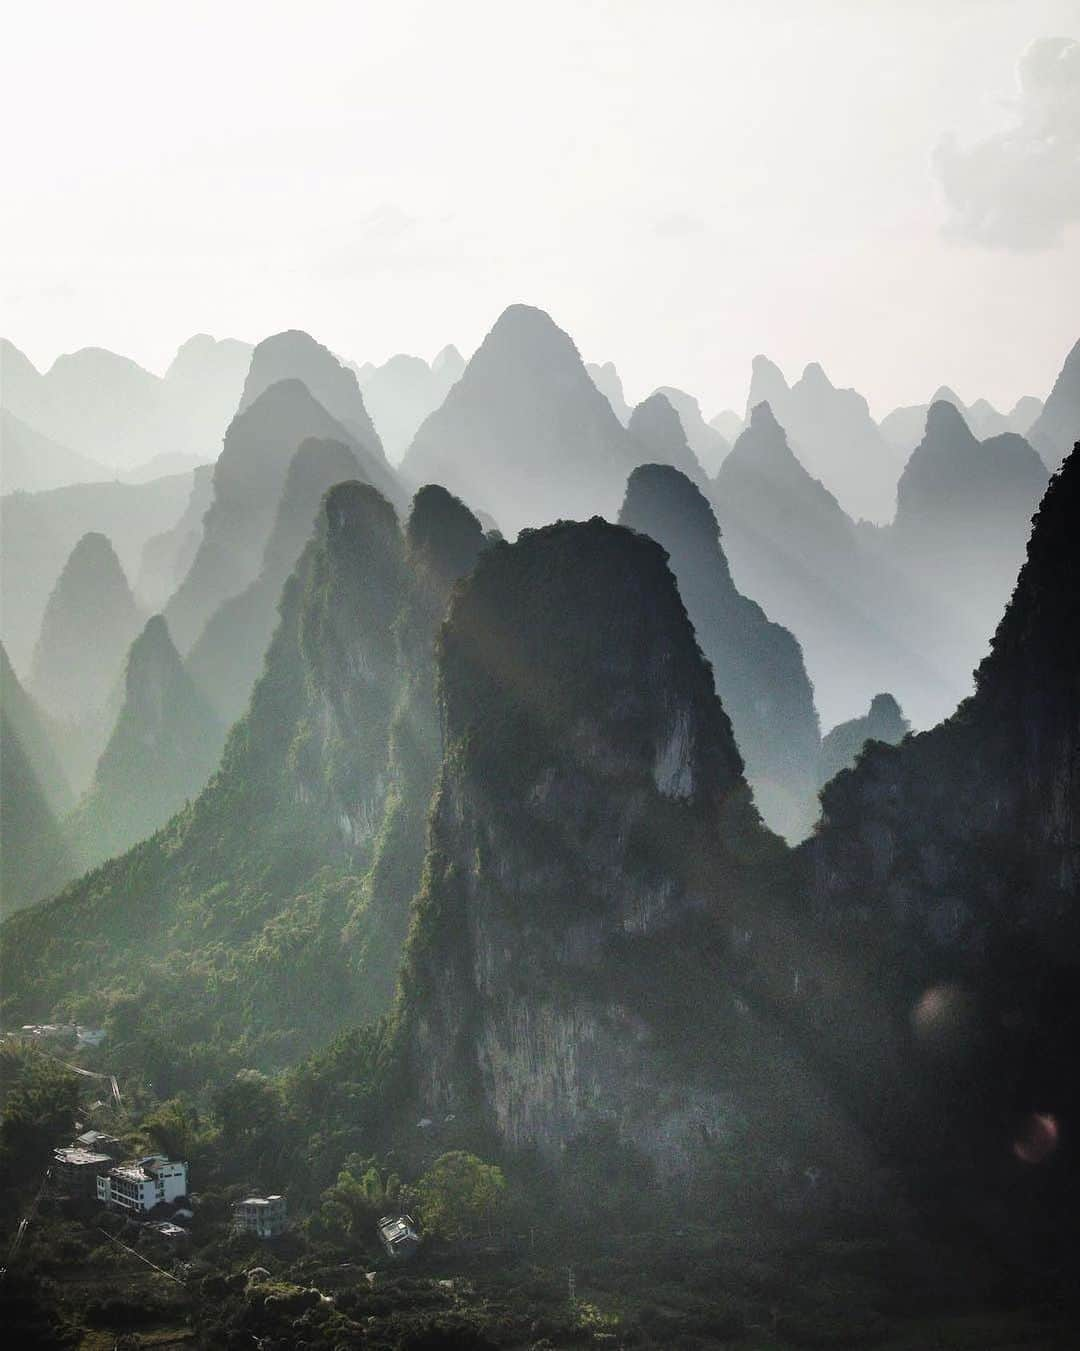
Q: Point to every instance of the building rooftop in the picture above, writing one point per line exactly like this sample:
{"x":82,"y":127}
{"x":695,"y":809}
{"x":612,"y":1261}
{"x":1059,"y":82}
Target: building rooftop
{"x":80,"y":1156}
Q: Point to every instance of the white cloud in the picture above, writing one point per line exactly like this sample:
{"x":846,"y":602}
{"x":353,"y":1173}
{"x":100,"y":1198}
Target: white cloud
{"x":1020,"y":189}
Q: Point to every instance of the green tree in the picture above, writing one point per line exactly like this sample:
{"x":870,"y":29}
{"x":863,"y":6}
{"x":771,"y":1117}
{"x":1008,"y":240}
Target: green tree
{"x":458,"y":1193}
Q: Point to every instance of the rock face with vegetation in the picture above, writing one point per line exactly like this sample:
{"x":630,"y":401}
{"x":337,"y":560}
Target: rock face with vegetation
{"x":525,"y":434}
{"x":841,"y":747}
{"x":246,"y":928}
{"x":164,"y":747}
{"x":757,"y":665}
{"x":228,"y":654}
{"x":593,"y":849}
{"x":34,"y":792}
{"x":948,"y":867}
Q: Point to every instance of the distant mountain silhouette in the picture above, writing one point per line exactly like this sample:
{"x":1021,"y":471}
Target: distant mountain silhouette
{"x":708,"y":445}
{"x":228,"y":655}
{"x":39,"y":530}
{"x":1058,"y":425}
{"x":904,"y":427}
{"x":607,"y":381}
{"x":841,"y":747}
{"x":729,"y":424}
{"x":109,"y":409}
{"x":88,"y":626}
{"x":401,"y":393}
{"x":165,"y":745}
{"x":250,"y":474}
{"x":657,"y":429}
{"x":525,"y":434}
{"x":166,"y":557}
{"x":30,"y":462}
{"x":963,"y":517}
{"x":757,"y":665}
{"x":295,"y":355}
{"x":793,"y":549}
{"x":834,"y":435}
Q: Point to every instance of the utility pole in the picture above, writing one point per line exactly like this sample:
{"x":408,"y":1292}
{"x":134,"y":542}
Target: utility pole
{"x":571,"y":1286}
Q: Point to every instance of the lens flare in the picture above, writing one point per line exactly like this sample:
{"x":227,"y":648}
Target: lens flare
{"x":1037,"y":1139}
{"x":943,"y":1019}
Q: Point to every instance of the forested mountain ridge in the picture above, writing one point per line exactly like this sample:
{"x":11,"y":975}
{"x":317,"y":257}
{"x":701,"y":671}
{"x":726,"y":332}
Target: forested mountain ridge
{"x":236,"y":908}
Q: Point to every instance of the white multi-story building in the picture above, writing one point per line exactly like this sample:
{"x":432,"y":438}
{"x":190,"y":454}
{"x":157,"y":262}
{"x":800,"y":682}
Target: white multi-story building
{"x":143,"y":1184}
{"x":264,"y":1216}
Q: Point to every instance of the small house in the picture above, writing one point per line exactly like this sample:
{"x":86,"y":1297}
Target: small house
{"x":76,"y":1170}
{"x":264,"y":1216}
{"x":398,"y":1235}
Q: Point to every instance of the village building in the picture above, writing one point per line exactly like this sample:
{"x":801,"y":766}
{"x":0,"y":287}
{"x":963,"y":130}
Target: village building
{"x":398,"y":1235}
{"x":142,"y":1184}
{"x":75,"y":1170}
{"x":101,"y":1142}
{"x":264,"y":1216}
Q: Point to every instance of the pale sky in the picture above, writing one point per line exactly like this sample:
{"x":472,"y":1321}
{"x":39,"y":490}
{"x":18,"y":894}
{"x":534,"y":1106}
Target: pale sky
{"x":680,"y":183}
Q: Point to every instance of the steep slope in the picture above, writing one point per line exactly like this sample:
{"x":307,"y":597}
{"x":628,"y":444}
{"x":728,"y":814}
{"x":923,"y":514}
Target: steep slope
{"x":705,"y":441}
{"x":948,"y":870}
{"x":591,"y":842}
{"x":201,"y":391}
{"x":88,"y":626}
{"x":833,"y":434}
{"x":89,"y":623}
{"x":33,"y":851}
{"x":842,"y":746}
{"x":297,"y":356}
{"x":757,"y":665}
{"x":226,"y":927}
{"x":443,"y":541}
{"x":164,"y":747}
{"x":963,"y":516}
{"x":904,"y":427}
{"x":166,"y":557}
{"x":400,"y":394}
{"x":525,"y":434}
{"x":661,"y":438}
{"x":30,"y":462}
{"x":606,"y":379}
{"x":795,"y":551}
{"x":39,"y":530}
{"x":31,"y":728}
{"x":1057,"y":426}
{"x":248,"y":480}
{"x":228,"y":655}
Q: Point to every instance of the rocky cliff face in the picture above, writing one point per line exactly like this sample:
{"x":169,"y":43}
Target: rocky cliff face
{"x":591,"y":843}
{"x":952,"y":861}
{"x":757,"y":665}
